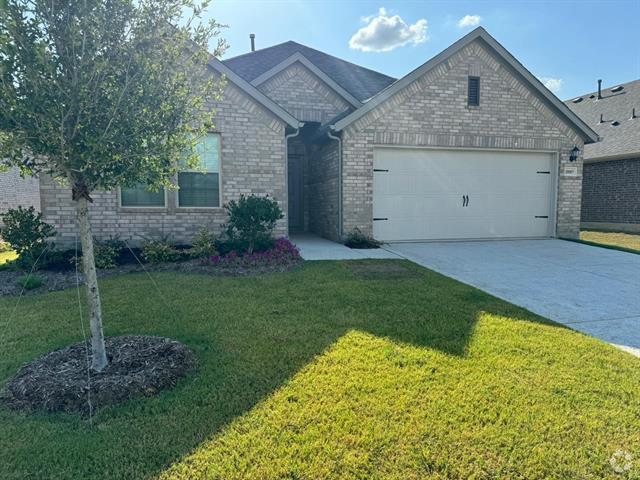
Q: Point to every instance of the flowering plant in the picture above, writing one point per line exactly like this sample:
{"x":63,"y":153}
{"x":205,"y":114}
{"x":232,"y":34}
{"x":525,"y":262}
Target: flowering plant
{"x":283,"y":253}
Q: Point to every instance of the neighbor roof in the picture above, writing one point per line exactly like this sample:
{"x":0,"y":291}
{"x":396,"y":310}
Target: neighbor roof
{"x":619,"y":133}
{"x":479,"y":33}
{"x":360,"y":82}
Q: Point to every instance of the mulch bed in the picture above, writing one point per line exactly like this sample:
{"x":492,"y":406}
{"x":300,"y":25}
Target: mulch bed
{"x":139,"y":366}
{"x":60,"y":279}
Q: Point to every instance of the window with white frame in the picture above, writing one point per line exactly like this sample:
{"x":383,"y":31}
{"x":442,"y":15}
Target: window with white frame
{"x":201,"y":187}
{"x":141,"y":196}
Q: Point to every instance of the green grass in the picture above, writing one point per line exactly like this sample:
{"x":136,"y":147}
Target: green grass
{"x":622,"y":241}
{"x":327,"y":372}
{"x":7,"y":256}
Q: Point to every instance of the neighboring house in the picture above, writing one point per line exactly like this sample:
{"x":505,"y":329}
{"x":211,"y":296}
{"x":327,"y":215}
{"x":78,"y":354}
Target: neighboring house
{"x":611,"y":179}
{"x":17,"y":191}
{"x":469,"y":145}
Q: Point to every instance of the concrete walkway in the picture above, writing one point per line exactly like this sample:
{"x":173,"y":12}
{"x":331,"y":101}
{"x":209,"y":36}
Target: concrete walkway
{"x":591,"y":289}
{"x":313,"y":247}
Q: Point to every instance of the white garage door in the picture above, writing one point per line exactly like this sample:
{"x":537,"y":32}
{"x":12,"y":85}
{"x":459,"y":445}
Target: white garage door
{"x":424,"y":194}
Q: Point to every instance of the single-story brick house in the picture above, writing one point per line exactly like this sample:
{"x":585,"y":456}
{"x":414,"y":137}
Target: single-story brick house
{"x":611,"y":178}
{"x":469,"y":145}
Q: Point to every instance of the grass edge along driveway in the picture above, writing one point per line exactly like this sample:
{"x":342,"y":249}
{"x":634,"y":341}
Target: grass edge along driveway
{"x":367,"y":369}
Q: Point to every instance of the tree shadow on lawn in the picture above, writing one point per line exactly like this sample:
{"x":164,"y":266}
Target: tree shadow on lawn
{"x":251,"y":335}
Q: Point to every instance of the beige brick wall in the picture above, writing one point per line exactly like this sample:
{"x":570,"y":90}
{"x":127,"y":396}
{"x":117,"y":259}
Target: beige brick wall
{"x":17,"y":191}
{"x":252,"y":161}
{"x":304,"y":95}
{"x":433,"y":111}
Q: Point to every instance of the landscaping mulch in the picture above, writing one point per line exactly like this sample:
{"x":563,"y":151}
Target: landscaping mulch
{"x":139,"y":366}
{"x":59,"y":279}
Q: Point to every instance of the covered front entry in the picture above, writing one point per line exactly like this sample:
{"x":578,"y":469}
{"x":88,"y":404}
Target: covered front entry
{"x":453,"y":194}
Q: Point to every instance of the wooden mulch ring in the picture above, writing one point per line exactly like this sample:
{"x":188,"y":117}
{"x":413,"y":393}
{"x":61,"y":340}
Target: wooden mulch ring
{"x":139,"y":366}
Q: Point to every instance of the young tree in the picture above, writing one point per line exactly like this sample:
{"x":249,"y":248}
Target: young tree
{"x":100,"y":94}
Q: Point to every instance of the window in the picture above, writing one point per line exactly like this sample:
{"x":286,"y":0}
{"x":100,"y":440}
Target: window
{"x":140,"y":196}
{"x":201,"y":188}
{"x":474,"y":92}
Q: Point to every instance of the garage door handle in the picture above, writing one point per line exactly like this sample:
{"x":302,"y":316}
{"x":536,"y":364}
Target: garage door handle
{"x":542,"y":216}
{"x":378,"y":219}
{"x":380,"y":170}
{"x":465,"y":200}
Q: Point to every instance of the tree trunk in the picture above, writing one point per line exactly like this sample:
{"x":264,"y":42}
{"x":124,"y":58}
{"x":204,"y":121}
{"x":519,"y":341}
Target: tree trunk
{"x":99,"y":355}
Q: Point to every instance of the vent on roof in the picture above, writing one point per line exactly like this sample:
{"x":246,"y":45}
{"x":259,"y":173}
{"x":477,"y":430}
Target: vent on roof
{"x":577,"y":100}
{"x":617,"y":89}
{"x":615,"y":124}
{"x":592,"y":96}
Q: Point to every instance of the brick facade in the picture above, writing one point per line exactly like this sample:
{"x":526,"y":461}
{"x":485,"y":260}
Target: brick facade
{"x":252,"y":161}
{"x":17,"y":191}
{"x":304,"y":95}
{"x":432,"y":111}
{"x":610,"y":195}
{"x":323,"y":190}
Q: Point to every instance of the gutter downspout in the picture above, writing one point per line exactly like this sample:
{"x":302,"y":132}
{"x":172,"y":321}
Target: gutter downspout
{"x":286,"y":166}
{"x":339,"y":140}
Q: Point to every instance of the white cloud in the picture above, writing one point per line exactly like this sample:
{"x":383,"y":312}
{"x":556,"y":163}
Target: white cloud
{"x":383,"y":33}
{"x":553,"y":84}
{"x":469,"y":21}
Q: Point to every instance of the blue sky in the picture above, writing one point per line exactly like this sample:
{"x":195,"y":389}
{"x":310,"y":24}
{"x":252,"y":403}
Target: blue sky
{"x":569,"y":44}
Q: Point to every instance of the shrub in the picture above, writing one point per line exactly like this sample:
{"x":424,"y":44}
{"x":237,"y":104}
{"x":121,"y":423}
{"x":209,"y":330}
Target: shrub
{"x":357,"y":239}
{"x":159,"y":251}
{"x":5,"y":247}
{"x":251,"y":222}
{"x":30,"y":282}
{"x":106,"y":252}
{"x":27,"y":234}
{"x":203,"y":244}
{"x":283,"y":253}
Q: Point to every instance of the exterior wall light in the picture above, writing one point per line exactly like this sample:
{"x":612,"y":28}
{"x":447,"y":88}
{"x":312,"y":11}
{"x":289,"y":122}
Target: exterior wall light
{"x":574,"y":154}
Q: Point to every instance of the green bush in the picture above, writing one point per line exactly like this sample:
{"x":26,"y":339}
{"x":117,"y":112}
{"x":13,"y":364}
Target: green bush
{"x":106,"y":252}
{"x":251,"y":222}
{"x":27,"y":234}
{"x":357,"y":239}
{"x":159,"y":251}
{"x":4,"y":246}
{"x":30,"y":282}
{"x":203,"y":244}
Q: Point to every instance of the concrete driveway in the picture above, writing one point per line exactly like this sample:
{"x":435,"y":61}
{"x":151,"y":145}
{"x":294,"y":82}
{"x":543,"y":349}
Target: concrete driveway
{"x":590,"y":289}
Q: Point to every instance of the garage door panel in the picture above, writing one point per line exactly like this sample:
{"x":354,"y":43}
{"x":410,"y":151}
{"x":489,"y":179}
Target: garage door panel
{"x":421,"y":194}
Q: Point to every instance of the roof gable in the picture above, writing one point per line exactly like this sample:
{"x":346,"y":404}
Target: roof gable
{"x":254,"y":93}
{"x":300,"y":58}
{"x":359,"y":82}
{"x":478,"y":34}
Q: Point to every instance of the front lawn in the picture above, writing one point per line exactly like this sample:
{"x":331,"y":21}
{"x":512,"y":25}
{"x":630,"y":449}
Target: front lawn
{"x":625,"y":241}
{"x":335,"y":370}
{"x":7,"y":256}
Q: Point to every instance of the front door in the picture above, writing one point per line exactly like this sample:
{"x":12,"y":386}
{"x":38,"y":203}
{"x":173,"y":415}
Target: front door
{"x":296,"y":185}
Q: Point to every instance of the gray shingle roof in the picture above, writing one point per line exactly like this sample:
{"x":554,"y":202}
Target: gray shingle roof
{"x":360,"y":82}
{"x":622,"y":140}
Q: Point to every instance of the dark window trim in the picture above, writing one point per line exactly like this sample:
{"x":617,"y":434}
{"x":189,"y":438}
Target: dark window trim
{"x":471,"y":103}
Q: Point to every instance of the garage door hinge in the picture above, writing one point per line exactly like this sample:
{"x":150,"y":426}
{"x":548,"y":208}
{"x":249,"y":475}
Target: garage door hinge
{"x":542,"y":216}
{"x":380,"y":170}
{"x":378,"y":219}
{"x":545,"y":172}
